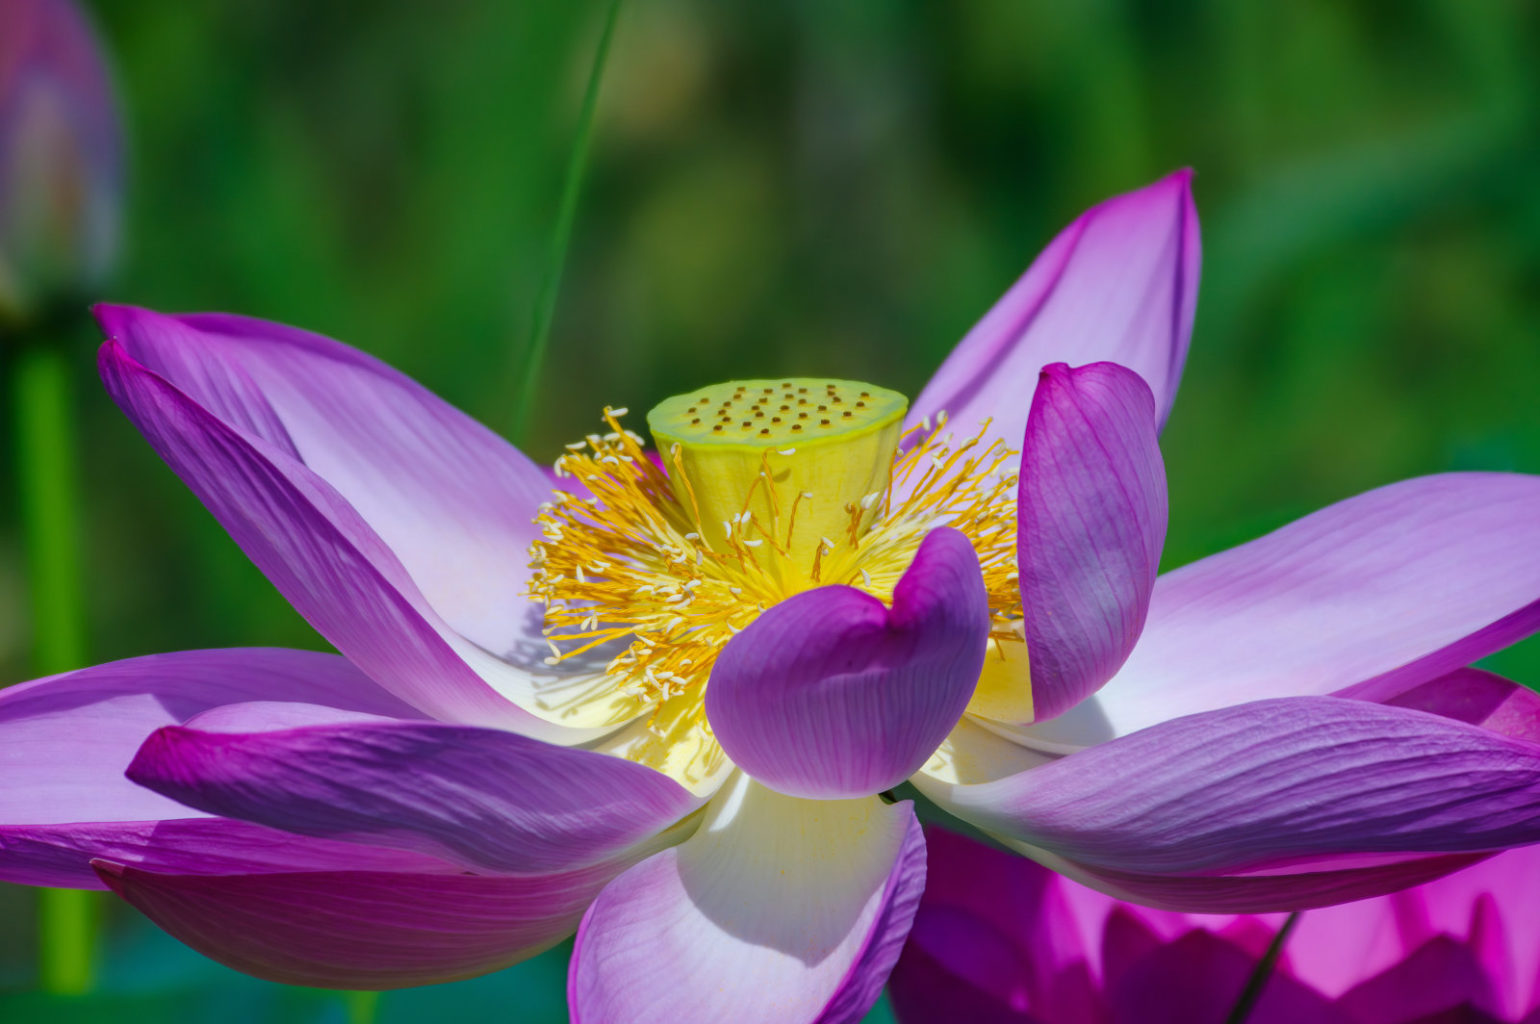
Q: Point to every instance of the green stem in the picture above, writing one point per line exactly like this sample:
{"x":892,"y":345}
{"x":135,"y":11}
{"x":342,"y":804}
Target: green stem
{"x":361,"y":1007}
{"x":1264,"y":971}
{"x":566,"y":217}
{"x":45,"y":469}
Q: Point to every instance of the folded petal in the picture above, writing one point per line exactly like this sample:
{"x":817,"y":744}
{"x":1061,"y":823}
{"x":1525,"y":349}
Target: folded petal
{"x":831,"y":694}
{"x":484,"y":798}
{"x":778,"y":910}
{"x":363,"y":929}
{"x":396,"y":525}
{"x":1276,"y":789}
{"x":65,"y":742}
{"x":1091,"y":521}
{"x":1372,"y":595}
{"x":1119,"y":284}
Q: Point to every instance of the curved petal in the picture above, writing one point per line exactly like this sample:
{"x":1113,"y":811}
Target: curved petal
{"x":1279,"y":789}
{"x":363,"y":929}
{"x":778,"y":910}
{"x":1119,"y":284}
{"x":1091,"y":521}
{"x":1376,"y":593}
{"x":830,"y":694}
{"x":396,"y":525}
{"x":66,"y":740}
{"x":481,"y":797}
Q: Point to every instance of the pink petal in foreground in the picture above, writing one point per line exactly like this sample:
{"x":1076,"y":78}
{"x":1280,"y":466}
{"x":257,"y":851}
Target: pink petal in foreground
{"x":777,"y":910}
{"x":395,"y":524}
{"x":1091,"y":521}
{"x":831,"y":694}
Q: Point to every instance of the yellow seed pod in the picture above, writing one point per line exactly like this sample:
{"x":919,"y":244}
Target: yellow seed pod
{"x":788,"y":464}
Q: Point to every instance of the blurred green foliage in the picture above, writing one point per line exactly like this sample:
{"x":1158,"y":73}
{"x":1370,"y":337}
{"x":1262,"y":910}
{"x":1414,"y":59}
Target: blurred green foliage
{"x":804,"y":188}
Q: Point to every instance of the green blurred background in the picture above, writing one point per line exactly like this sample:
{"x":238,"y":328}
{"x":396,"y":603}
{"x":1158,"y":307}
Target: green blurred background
{"x":801,"y":188}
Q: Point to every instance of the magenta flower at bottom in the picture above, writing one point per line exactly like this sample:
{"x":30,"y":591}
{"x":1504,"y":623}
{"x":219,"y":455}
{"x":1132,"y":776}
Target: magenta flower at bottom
{"x":658,"y":698}
{"x":1002,"y":940}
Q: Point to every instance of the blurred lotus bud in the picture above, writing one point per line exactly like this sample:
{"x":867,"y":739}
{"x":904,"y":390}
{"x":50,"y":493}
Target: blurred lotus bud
{"x":61,"y":157}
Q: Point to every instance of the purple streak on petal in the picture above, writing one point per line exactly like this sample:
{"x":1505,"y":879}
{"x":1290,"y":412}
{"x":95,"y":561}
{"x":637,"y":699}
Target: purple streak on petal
{"x":61,"y":855}
{"x":482,"y":797}
{"x":1259,"y":893}
{"x":1198,"y":979}
{"x":363,"y":929}
{"x":1272,"y":783}
{"x":66,"y":740}
{"x":1379,"y":592}
{"x":1446,"y":563}
{"x":776,"y":909}
{"x":1091,"y":524}
{"x":314,"y":546}
{"x":829,"y":694}
{"x":1119,"y":284}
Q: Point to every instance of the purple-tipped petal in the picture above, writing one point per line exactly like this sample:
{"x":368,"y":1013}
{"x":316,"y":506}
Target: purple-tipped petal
{"x":777,"y":909}
{"x":1255,"y":893}
{"x":395,"y":524}
{"x":1091,"y":524}
{"x":1374,"y":594}
{"x":65,"y":742}
{"x":1274,"y":788}
{"x":61,"y":855}
{"x":481,"y":797}
{"x":363,"y":929}
{"x":830,"y":694}
{"x":1119,"y":284}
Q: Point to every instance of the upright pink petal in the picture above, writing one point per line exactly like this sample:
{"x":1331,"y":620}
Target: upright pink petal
{"x":832,"y":694}
{"x":1119,"y":284}
{"x":395,"y":524}
{"x":1091,"y":524}
{"x":776,"y":910}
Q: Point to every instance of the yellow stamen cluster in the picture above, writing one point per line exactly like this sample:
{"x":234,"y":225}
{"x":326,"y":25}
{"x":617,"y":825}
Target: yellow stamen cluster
{"x":632,"y":566}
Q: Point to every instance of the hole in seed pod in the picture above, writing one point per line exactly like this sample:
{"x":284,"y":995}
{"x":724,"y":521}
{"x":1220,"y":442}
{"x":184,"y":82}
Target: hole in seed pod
{"x":796,"y":428}
{"x":824,"y":422}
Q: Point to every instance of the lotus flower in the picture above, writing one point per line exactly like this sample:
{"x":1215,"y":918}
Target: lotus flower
{"x":1002,"y":940}
{"x":61,"y":156}
{"x":519,"y":740}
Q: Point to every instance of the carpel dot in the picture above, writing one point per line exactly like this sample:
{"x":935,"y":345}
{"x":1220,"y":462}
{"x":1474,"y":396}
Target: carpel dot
{"x":764,"y":416}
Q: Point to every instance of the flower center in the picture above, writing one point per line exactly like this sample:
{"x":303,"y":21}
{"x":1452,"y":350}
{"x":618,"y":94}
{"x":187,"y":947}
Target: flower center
{"x":759,"y":490}
{"x":788,"y":463}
